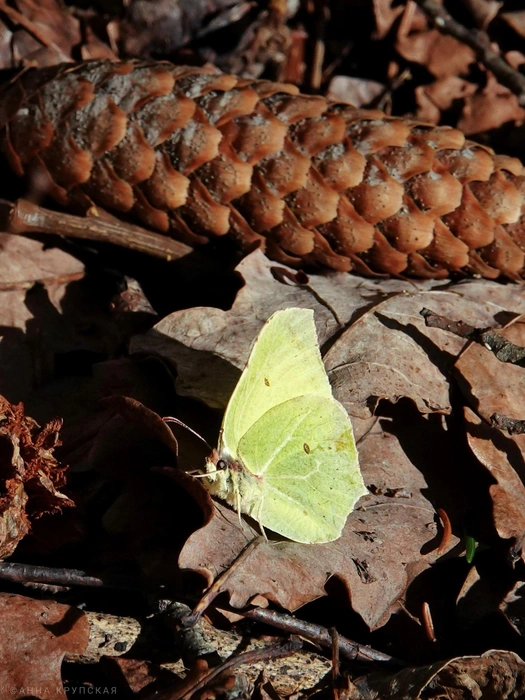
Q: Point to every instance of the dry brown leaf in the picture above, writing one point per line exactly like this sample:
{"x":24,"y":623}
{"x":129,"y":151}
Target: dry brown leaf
{"x":386,"y":543}
{"x":491,"y":386}
{"x":23,"y":263}
{"x":489,"y":108}
{"x":483,"y":11}
{"x":131,"y":675}
{"x":496,"y":674}
{"x":46,"y":34}
{"x":516,"y":20}
{"x":503,"y":456}
{"x":442,"y":55}
{"x":381,"y":548}
{"x":385,"y":14}
{"x":441,"y":95}
{"x":389,"y":353}
{"x":513,"y":607}
{"x":35,"y":637}
{"x":209,"y":347}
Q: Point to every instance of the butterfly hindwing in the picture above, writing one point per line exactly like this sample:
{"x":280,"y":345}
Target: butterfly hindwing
{"x":304,"y":451}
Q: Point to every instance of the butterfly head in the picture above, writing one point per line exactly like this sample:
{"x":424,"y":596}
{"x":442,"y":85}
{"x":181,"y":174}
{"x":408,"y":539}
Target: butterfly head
{"x":222,"y":475}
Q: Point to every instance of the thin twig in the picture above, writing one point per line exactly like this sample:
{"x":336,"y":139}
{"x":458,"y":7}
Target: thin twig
{"x":480,"y":43}
{"x":319,"y":635}
{"x":220,"y":583}
{"x":192,"y":641}
{"x":28,"y":573}
{"x":501,"y":348}
{"x":272,"y":651}
{"x":513,"y":426}
{"x":26,"y":217}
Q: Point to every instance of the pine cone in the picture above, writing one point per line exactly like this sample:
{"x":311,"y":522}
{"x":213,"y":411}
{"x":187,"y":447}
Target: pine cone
{"x":198,"y":154}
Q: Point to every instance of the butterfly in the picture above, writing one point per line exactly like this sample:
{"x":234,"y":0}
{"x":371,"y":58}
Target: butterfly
{"x":286,"y":454}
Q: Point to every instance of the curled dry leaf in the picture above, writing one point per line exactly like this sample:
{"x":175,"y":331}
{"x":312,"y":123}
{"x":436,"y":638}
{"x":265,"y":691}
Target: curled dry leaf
{"x":495,"y":674}
{"x":503,"y":456}
{"x":30,"y":475}
{"x":442,"y":55}
{"x":491,"y":386}
{"x":23,"y":264}
{"x":513,"y":607}
{"x":489,"y":108}
{"x":43,"y":32}
{"x":35,"y":637}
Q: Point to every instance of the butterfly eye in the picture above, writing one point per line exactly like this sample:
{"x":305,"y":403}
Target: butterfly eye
{"x":221,"y":464}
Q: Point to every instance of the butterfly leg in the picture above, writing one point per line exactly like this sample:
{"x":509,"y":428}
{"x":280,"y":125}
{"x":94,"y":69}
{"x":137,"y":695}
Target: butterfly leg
{"x":258,"y":518}
{"x":238,"y":505}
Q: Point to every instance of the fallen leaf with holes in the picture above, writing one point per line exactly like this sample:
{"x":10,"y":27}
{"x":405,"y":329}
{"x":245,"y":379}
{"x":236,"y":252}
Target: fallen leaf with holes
{"x":30,"y":476}
{"x":36,"y":634}
{"x":386,"y":543}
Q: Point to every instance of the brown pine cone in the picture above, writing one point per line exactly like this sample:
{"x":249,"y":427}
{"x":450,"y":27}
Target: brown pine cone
{"x":198,"y":154}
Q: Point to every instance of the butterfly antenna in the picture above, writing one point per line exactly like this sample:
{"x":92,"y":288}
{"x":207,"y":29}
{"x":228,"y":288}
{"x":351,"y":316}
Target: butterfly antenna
{"x":172,"y":419}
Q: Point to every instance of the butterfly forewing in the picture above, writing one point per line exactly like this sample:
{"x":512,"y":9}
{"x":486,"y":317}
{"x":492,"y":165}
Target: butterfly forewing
{"x":284,"y":363}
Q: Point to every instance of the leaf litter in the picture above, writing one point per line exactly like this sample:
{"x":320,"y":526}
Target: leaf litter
{"x":406,"y":448}
{"x":421,"y":399}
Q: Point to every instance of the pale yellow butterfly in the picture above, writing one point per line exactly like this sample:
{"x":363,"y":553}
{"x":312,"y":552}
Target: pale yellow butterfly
{"x":287,"y":455}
